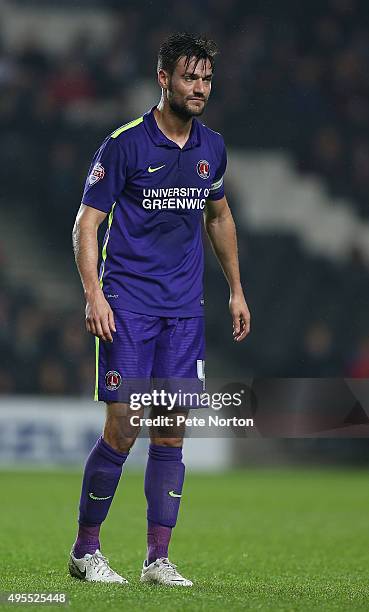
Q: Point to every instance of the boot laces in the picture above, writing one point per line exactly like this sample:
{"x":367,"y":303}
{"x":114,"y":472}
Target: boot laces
{"x":102,"y":564}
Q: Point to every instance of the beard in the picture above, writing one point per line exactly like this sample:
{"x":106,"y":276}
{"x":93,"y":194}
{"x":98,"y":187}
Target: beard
{"x":183,"y":110}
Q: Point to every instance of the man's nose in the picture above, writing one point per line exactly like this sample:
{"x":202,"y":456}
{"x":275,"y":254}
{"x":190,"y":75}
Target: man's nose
{"x":199,"y":86}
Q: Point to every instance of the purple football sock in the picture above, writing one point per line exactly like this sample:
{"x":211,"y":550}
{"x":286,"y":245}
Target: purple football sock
{"x":163,"y":489}
{"x":87,"y":541}
{"x":101,"y":477}
{"x":158,"y":538}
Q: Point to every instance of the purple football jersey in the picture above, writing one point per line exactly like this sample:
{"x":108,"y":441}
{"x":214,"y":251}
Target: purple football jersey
{"x":155,"y":192}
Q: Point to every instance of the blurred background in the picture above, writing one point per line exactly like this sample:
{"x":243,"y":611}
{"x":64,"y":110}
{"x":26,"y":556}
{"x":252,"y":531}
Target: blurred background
{"x":290,"y":96}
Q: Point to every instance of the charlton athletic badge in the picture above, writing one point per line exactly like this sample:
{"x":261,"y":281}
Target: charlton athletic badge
{"x":98,"y":173}
{"x":203,"y":168}
{"x":113,"y":380}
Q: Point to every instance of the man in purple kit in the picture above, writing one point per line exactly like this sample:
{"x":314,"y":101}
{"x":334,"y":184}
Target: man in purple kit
{"x":156,"y":177}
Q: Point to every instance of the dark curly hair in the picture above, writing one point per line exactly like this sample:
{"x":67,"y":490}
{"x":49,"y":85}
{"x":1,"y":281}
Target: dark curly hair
{"x":184,"y":44}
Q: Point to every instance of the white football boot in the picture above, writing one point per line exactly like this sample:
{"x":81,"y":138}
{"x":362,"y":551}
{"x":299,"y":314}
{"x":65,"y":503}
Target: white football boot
{"x":162,"y":571}
{"x":93,"y":568}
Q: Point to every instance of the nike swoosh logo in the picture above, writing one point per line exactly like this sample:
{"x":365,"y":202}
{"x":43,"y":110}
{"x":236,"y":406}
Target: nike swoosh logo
{"x":155,"y":169}
{"x":75,"y":571}
{"x":98,"y":498}
{"x":172,"y":494}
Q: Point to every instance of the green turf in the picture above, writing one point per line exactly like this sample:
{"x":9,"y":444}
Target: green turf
{"x":261,"y":539}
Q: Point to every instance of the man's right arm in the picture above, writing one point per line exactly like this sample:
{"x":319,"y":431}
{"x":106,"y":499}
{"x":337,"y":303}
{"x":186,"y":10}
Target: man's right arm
{"x":99,"y":315}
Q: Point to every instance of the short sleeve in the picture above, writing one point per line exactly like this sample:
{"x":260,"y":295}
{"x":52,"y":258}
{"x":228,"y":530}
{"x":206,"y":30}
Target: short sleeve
{"x":106,"y":177}
{"x":217,"y":186}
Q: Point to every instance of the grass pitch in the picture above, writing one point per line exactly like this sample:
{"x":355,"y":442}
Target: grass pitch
{"x":261,"y":539}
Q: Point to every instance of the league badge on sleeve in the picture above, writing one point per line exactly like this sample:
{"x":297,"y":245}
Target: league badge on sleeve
{"x":97,"y":173}
{"x":203,"y":168}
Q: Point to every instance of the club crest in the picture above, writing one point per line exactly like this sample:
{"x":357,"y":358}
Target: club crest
{"x":203,"y":168}
{"x":113,"y":380}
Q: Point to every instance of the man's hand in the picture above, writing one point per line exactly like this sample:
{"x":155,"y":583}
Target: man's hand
{"x":240,"y":315}
{"x":99,"y":316}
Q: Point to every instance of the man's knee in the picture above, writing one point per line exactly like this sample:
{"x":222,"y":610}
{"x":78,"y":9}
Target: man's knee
{"x":119,"y":431}
{"x":122,"y":444}
{"x":171,"y":434}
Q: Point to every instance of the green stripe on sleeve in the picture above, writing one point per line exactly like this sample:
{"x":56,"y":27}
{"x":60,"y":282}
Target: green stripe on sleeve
{"x":127,"y":126}
{"x":105,"y":246}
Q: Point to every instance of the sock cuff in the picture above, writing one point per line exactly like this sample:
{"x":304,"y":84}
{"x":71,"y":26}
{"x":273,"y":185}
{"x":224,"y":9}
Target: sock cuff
{"x":108,"y":452}
{"x":157,"y":527}
{"x":165,"y":453}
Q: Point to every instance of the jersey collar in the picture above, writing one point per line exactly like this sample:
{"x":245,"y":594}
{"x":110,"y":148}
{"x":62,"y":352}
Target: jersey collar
{"x":161,"y":140}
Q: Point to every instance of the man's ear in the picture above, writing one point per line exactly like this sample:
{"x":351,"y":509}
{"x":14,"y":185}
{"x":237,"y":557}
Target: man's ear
{"x":163,"y":79}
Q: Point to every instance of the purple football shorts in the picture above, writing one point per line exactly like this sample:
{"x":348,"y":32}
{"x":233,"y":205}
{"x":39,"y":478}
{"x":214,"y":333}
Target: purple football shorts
{"x":153,"y":355}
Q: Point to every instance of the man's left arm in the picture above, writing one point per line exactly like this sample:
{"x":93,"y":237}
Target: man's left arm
{"x":221,"y":231}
